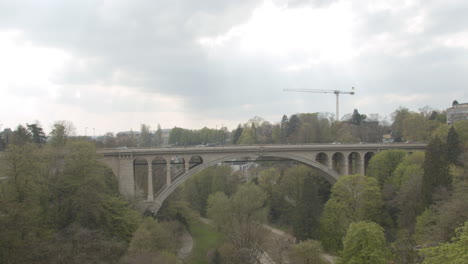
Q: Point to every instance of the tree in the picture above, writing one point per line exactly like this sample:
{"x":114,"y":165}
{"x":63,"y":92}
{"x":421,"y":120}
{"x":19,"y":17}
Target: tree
{"x":354,"y":198}
{"x":462,"y":130}
{"x":76,"y":244}
{"x":307,"y":210}
{"x":384,"y":163}
{"x":146,"y":138}
{"x":436,"y":169}
{"x":86,"y":193}
{"x":21,"y":136}
{"x":410,"y":164}
{"x":284,"y":125}
{"x":403,"y":248}
{"x":455,"y":252}
{"x":60,"y":132}
{"x":308,"y":251}
{"x":293,"y":126}
{"x":416,"y":127}
{"x":242,"y":215}
{"x":110,"y":140}
{"x":38,"y":135}
{"x":398,"y":117}
{"x":237,"y":134}
{"x":61,"y":206}
{"x":408,"y":200}
{"x":439,"y":222}
{"x":264,"y":133}
{"x":365,"y":243}
{"x":158,"y":137}
{"x":218,"y":208}
{"x":22,"y":194}
{"x":152,"y":236}
{"x":356,"y":118}
{"x":248,"y":136}
{"x":454,"y":149}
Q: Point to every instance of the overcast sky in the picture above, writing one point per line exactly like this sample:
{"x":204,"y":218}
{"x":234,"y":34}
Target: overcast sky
{"x":114,"y":64}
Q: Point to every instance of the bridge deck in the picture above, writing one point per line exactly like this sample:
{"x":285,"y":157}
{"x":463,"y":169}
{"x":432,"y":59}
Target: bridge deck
{"x":261,"y":148}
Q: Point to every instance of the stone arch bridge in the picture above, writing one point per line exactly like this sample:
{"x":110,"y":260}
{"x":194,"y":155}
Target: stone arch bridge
{"x":164,"y":169}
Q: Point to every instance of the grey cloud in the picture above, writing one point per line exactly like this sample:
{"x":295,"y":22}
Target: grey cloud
{"x":153,"y":44}
{"x":302,"y":3}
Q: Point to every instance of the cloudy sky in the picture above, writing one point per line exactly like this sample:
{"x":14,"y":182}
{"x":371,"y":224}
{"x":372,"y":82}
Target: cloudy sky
{"x":114,"y":64}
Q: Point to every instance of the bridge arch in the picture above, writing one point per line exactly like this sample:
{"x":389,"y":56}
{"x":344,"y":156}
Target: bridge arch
{"x":322,"y":158}
{"x":330,"y":175}
{"x":367,"y":157}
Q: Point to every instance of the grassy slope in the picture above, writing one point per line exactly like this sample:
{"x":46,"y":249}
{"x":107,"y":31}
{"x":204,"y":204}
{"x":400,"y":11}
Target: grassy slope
{"x":205,"y":237}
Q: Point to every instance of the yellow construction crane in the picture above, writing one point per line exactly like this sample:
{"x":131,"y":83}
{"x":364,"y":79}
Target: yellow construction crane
{"x":336,"y":92}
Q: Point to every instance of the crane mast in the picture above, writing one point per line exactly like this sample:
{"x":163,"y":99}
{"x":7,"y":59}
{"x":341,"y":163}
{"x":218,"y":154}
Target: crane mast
{"x":336,"y":92}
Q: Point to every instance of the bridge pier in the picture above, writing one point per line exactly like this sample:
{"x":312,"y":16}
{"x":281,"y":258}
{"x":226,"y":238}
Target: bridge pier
{"x":362,"y":165}
{"x":330,"y":163}
{"x":150,"y":181}
{"x":168,"y":173}
{"x":187,"y":164}
{"x":344,"y":170}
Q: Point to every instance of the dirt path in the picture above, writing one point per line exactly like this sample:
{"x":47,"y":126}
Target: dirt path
{"x":279,"y":242}
{"x":187,"y":246}
{"x":264,"y":258}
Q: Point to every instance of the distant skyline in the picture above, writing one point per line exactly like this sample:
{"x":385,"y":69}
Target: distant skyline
{"x":113,"y":65}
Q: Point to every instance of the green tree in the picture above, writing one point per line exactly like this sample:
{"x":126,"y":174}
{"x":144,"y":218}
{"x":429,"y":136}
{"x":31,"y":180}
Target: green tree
{"x":237,"y":134}
{"x":146,"y":138}
{"x":158,"y":137}
{"x":284,"y":128}
{"x":22,"y":197}
{"x":219,"y":208}
{"x":270,"y":181}
{"x":152,"y":236}
{"x":21,"y":136}
{"x":293,"y":127}
{"x":61,"y":130}
{"x":454,"y":148}
{"x":455,"y":252}
{"x":383,"y":164}
{"x":76,"y":244}
{"x":307,"y":210}
{"x":37,"y":133}
{"x":356,"y":118}
{"x":398,"y":117}
{"x":109,"y":140}
{"x":416,"y":127}
{"x":409,"y":200}
{"x":242,"y":222}
{"x":54,"y":202}
{"x":403,"y":248}
{"x":462,"y":129}
{"x":410,"y":165}
{"x":439,"y":222}
{"x":86,"y":194}
{"x":248,"y":136}
{"x":436,"y":169}
{"x":354,"y":198}
{"x":365,"y":243}
{"x":306,"y":252}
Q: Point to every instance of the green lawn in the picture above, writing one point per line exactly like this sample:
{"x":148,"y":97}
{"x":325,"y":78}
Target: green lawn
{"x":205,"y":237}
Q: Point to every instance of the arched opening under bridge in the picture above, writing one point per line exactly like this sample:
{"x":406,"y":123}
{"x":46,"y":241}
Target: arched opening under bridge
{"x":324,"y":171}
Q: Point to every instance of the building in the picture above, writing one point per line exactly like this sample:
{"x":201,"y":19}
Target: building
{"x":457,"y":112}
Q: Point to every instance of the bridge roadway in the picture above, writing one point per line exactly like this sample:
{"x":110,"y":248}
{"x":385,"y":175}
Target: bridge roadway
{"x":183,"y":162}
